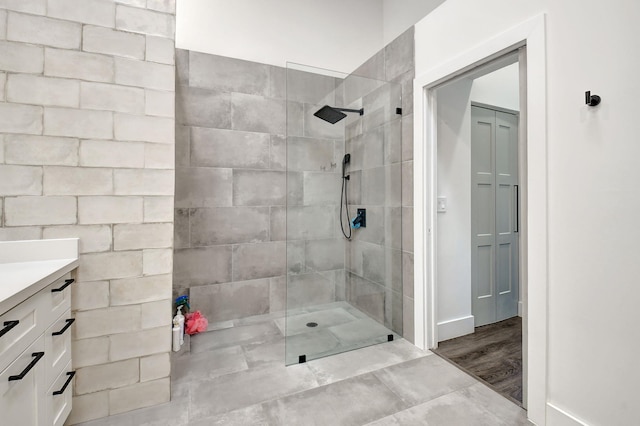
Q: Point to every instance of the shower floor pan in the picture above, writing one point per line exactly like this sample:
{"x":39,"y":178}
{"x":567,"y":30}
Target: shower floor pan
{"x":324,"y":330}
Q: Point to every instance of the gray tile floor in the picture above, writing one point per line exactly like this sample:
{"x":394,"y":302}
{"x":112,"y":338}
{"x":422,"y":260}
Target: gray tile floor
{"x":235,"y":375}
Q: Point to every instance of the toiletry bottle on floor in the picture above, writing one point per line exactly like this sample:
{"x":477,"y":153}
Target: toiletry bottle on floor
{"x":179,"y":319}
{"x":176,"y":337}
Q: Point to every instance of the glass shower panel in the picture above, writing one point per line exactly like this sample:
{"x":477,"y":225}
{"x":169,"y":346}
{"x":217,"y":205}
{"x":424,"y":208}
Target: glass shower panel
{"x":343,"y":214}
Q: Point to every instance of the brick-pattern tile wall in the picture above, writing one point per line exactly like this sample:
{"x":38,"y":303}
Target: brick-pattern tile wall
{"x":87,"y":150}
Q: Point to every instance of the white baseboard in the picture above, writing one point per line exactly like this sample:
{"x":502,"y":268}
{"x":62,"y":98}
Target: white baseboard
{"x":455,"y":328}
{"x":520,"y":308}
{"x":559,"y":417}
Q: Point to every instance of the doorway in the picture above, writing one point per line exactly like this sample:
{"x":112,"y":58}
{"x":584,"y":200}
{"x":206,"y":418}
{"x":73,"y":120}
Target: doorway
{"x":478,"y":225}
{"x":534,"y":202}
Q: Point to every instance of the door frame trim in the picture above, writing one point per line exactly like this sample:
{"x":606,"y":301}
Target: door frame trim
{"x":530,"y":33}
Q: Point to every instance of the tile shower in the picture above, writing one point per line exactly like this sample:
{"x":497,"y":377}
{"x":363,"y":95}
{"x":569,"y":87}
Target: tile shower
{"x":240,"y":199}
{"x":340,"y":291}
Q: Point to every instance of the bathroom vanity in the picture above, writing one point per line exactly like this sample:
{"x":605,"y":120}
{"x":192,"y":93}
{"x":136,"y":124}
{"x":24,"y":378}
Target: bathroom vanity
{"x":35,"y":336}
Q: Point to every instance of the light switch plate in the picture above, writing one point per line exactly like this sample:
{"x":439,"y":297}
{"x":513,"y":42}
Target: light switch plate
{"x":442,"y":204}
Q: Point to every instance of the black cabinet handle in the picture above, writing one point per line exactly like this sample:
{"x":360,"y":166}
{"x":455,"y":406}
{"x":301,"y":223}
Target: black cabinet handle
{"x":37,"y":357}
{"x":66,"y":284}
{"x":61,"y":391}
{"x":8,"y":325}
{"x":66,"y":326}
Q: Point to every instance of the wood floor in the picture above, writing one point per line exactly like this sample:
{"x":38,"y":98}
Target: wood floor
{"x":492,"y":354}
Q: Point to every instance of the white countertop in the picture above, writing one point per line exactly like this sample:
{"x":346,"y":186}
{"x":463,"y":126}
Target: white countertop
{"x":27,"y":267}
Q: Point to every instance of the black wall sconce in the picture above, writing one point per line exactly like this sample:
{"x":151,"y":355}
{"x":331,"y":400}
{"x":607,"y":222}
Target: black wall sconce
{"x":591,"y":100}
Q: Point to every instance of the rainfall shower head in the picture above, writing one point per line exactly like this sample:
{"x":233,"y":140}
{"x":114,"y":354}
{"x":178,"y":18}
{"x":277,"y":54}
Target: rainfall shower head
{"x":333,"y":115}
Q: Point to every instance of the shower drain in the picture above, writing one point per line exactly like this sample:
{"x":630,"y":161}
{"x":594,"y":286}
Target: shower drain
{"x":312,"y":324}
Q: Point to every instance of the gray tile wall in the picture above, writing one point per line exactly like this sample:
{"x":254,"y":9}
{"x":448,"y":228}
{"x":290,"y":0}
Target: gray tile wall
{"x":315,"y":245}
{"x":380,"y":257}
{"x":87,"y":150}
{"x":231,"y":189}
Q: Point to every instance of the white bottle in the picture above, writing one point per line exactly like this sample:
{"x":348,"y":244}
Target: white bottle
{"x":176,"y":337}
{"x":179,"y":319}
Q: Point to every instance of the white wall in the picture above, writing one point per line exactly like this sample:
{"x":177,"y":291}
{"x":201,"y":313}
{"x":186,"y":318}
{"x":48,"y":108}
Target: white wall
{"x":398,"y":15}
{"x":454,"y":226}
{"x":333,"y":34}
{"x":499,"y":88}
{"x":593,"y":192}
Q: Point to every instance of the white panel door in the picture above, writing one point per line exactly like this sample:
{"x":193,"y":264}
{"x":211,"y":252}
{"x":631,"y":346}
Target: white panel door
{"x":483,"y":224}
{"x":494,"y":239}
{"x":507,"y":222}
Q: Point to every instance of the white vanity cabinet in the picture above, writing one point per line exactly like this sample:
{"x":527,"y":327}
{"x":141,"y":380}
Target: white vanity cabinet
{"x":35,"y":336}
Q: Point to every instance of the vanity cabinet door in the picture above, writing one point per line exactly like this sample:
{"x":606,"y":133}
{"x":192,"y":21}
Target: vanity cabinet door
{"x":20,"y":326}
{"x":22,"y":388}
{"x":57,"y":343}
{"x":58,"y":297}
{"x":58,"y":397}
